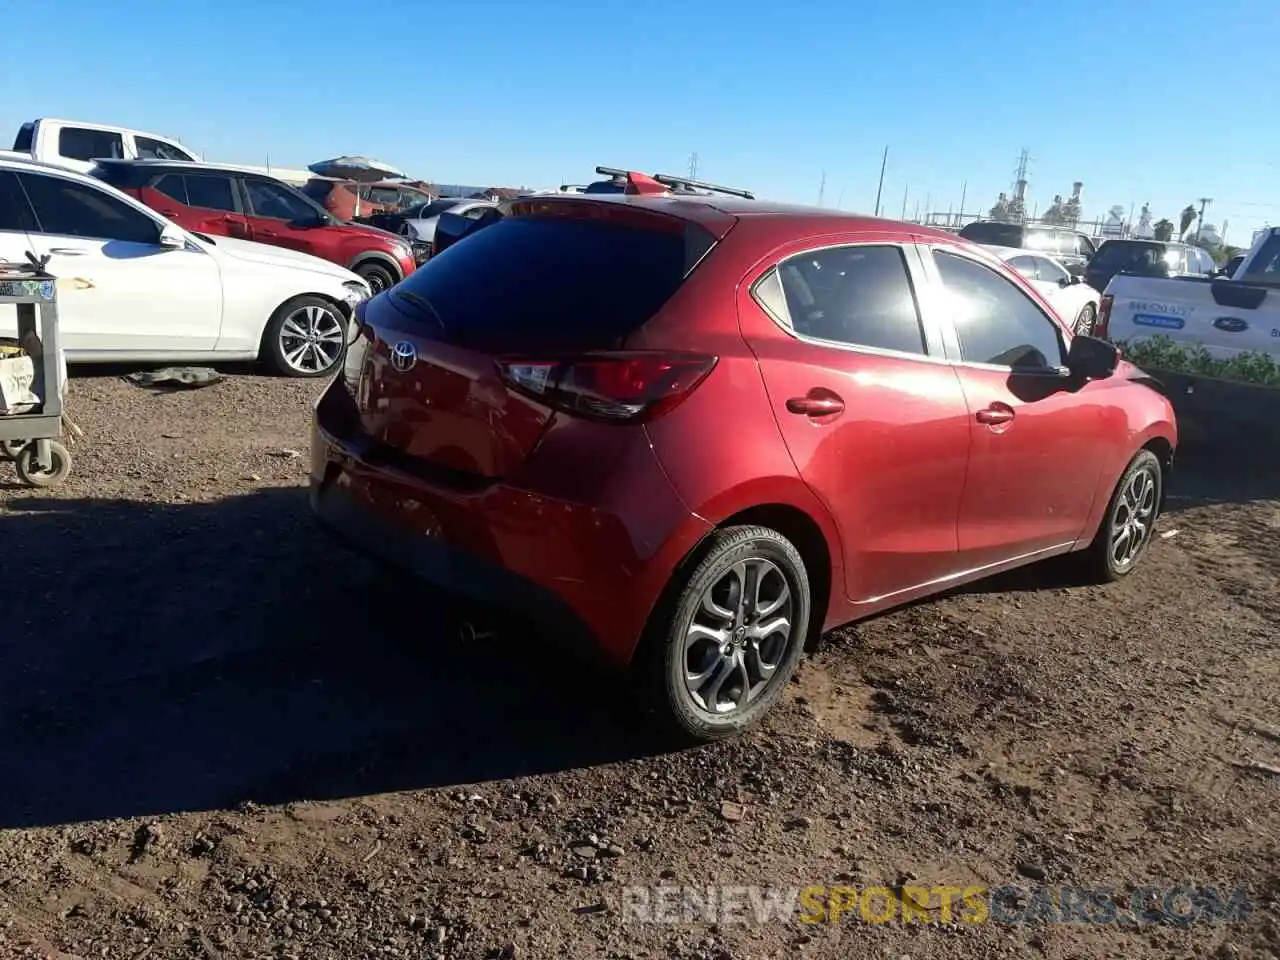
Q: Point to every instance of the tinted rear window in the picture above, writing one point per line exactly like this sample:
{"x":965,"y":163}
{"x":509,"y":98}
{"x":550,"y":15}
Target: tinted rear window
{"x":432,"y":209}
{"x":561,"y":278}
{"x":996,"y":234}
{"x":1141,"y":258}
{"x":22,"y":142}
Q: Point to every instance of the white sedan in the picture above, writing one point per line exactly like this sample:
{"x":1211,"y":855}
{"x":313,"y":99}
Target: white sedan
{"x":1075,"y":301}
{"x":134,"y":287}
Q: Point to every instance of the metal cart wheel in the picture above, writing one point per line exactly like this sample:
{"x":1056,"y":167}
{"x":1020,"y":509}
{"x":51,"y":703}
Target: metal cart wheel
{"x":10,"y":448}
{"x":31,"y":473}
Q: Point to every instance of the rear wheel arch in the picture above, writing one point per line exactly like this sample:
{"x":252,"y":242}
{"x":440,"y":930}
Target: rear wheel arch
{"x":1163,"y":450}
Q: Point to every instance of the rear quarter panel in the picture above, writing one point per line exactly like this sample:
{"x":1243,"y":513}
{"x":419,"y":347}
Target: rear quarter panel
{"x":1186,"y":312}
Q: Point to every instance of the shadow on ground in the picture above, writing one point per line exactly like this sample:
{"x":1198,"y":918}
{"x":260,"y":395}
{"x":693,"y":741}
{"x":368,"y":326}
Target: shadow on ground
{"x":158,"y":657}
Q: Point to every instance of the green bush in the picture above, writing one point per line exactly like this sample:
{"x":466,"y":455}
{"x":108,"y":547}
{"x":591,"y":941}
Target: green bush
{"x":1161,"y":353}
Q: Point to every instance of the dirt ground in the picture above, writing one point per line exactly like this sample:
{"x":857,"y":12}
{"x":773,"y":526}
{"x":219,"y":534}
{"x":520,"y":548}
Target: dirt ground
{"x":219,"y":740}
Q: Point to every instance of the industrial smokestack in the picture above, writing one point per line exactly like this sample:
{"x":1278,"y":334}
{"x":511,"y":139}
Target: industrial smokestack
{"x":1075,"y":190}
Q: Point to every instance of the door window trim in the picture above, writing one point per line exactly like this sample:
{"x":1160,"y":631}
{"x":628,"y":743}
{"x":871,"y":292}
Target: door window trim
{"x":916,"y":279}
{"x":951,"y":338}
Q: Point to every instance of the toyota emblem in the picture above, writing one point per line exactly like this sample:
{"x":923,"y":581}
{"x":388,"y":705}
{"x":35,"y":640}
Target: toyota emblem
{"x":403,"y":356}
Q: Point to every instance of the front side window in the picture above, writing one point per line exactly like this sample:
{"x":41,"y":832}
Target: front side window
{"x":1050,"y":272}
{"x":1027,"y":266}
{"x":275,"y":202}
{"x":996,"y":322}
{"x":149,"y":149}
{"x":71,"y":209}
{"x":858,"y":295}
{"x":211,"y":193}
{"x":15,"y":212}
{"x":76,"y":143}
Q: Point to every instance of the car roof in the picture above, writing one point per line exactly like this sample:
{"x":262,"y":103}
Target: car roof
{"x":16,"y":159}
{"x":712,"y":209}
{"x":186,"y":165}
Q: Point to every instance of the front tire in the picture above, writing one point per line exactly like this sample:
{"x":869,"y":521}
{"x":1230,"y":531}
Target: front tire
{"x":719,"y":655}
{"x":1085,"y":320}
{"x":1130,"y":521}
{"x":377,"y":276}
{"x":305,"y":337}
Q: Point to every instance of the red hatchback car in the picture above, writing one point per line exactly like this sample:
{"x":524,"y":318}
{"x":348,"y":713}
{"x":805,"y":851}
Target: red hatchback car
{"x":233,"y":202}
{"x":696,"y":432}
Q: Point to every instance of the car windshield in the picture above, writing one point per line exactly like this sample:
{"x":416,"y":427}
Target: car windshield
{"x":995,"y":234}
{"x":1146,"y":259}
{"x":432,"y":208}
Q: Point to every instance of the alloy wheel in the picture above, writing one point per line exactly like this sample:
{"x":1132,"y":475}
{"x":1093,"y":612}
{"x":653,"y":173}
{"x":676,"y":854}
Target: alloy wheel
{"x":738,"y":636}
{"x":311,"y":339}
{"x":1085,"y":321}
{"x":1134,"y":517}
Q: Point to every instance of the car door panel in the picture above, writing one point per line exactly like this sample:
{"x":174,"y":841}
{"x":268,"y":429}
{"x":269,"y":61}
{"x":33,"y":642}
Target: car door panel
{"x":880,"y":437}
{"x":118,"y":289}
{"x":272,"y":214}
{"x":1035,"y":457}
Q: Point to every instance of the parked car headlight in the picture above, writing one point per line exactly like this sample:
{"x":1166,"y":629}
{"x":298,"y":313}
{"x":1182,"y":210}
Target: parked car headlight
{"x":357,"y":291}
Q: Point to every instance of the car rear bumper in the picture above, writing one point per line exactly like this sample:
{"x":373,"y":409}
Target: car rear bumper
{"x":590,"y":574}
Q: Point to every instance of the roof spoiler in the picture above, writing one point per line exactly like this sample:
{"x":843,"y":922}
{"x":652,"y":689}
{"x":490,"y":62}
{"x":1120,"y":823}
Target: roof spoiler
{"x":640,"y":183}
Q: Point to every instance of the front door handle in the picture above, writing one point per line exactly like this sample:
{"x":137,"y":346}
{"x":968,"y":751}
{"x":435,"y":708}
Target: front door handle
{"x":995,"y":415}
{"x":267,"y":233}
{"x":67,"y":251}
{"x":818,"y":402}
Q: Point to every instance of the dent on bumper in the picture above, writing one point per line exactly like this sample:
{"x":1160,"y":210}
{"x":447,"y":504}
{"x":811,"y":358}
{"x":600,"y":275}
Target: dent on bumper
{"x":576,"y":568}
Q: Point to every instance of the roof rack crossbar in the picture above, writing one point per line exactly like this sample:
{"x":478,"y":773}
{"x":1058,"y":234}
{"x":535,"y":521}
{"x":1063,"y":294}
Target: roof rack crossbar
{"x":671,"y":180}
{"x":680,"y":183}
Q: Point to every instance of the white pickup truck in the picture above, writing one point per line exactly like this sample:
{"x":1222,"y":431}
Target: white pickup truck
{"x":76,"y":145}
{"x":1225,"y":316}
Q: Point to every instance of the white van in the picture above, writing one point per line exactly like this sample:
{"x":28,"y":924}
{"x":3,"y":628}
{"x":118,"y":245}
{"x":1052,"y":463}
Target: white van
{"x":76,"y":145}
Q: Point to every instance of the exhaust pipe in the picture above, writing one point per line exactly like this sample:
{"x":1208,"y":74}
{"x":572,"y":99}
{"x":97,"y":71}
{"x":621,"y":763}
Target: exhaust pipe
{"x":468,"y":633}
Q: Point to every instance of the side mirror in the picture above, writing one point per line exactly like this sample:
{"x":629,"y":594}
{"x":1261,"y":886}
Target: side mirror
{"x":1074,"y":279}
{"x":1092,"y":359}
{"x":172,"y":237}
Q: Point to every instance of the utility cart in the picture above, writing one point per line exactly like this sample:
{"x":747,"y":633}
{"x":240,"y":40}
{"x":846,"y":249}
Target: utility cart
{"x":32,"y":377}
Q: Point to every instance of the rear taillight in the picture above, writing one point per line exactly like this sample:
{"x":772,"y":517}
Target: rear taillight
{"x":618,"y":387}
{"x":1104,"y":316}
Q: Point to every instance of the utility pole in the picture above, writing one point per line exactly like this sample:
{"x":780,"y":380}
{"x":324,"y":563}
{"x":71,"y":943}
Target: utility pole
{"x":964,"y":193}
{"x":904,"y":202}
{"x":840,"y":198}
{"x":880,"y":187}
{"x":822,"y":187}
{"x":1204,"y":202}
{"x":693,"y":165}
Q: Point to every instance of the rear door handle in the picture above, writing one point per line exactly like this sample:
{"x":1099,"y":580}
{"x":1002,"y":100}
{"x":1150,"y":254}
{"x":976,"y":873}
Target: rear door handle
{"x":995,"y":415}
{"x":816,"y":403}
{"x":67,"y":251}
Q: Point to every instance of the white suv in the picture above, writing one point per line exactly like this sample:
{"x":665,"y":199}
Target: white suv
{"x":134,"y":287}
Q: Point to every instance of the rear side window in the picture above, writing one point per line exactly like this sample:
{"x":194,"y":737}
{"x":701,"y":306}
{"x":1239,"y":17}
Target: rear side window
{"x":173,"y":187}
{"x":995,"y":322}
{"x":1144,"y":259}
{"x":562,"y":277}
{"x":79,"y":144}
{"x":149,"y":149}
{"x":212,"y":193}
{"x":857,"y":295}
{"x":26,"y":134}
{"x":1265,"y":266}
{"x":995,"y":234}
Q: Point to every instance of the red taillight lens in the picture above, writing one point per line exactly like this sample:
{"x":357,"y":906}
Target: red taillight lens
{"x":1104,"y":316}
{"x":622,"y":386}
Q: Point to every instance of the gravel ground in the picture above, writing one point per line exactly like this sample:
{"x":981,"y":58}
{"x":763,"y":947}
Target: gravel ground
{"x":218,"y":739}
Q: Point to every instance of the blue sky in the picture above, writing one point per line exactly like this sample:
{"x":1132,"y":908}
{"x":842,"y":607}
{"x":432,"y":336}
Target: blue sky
{"x":1161,"y":102}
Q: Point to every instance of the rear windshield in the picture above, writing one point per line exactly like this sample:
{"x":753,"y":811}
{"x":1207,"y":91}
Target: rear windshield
{"x":432,"y":208}
{"x":554,"y":277}
{"x":1144,"y":259}
{"x":996,"y":234}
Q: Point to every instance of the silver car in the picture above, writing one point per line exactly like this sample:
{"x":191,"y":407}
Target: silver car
{"x":419,"y":223}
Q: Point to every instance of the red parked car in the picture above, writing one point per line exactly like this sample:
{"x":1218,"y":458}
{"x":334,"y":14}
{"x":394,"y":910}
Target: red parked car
{"x":232,"y":202}
{"x":696,"y":432}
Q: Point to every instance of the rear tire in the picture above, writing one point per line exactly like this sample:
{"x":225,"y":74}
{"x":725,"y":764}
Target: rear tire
{"x":1129,"y":523}
{"x":377,"y":276}
{"x":305,"y":337}
{"x":720,"y":651}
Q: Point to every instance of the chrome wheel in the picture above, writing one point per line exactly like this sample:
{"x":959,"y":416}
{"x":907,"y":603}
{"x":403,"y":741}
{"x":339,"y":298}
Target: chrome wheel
{"x":311,"y":339}
{"x":739,"y":635}
{"x":1085,"y":321}
{"x":1133,"y":520}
